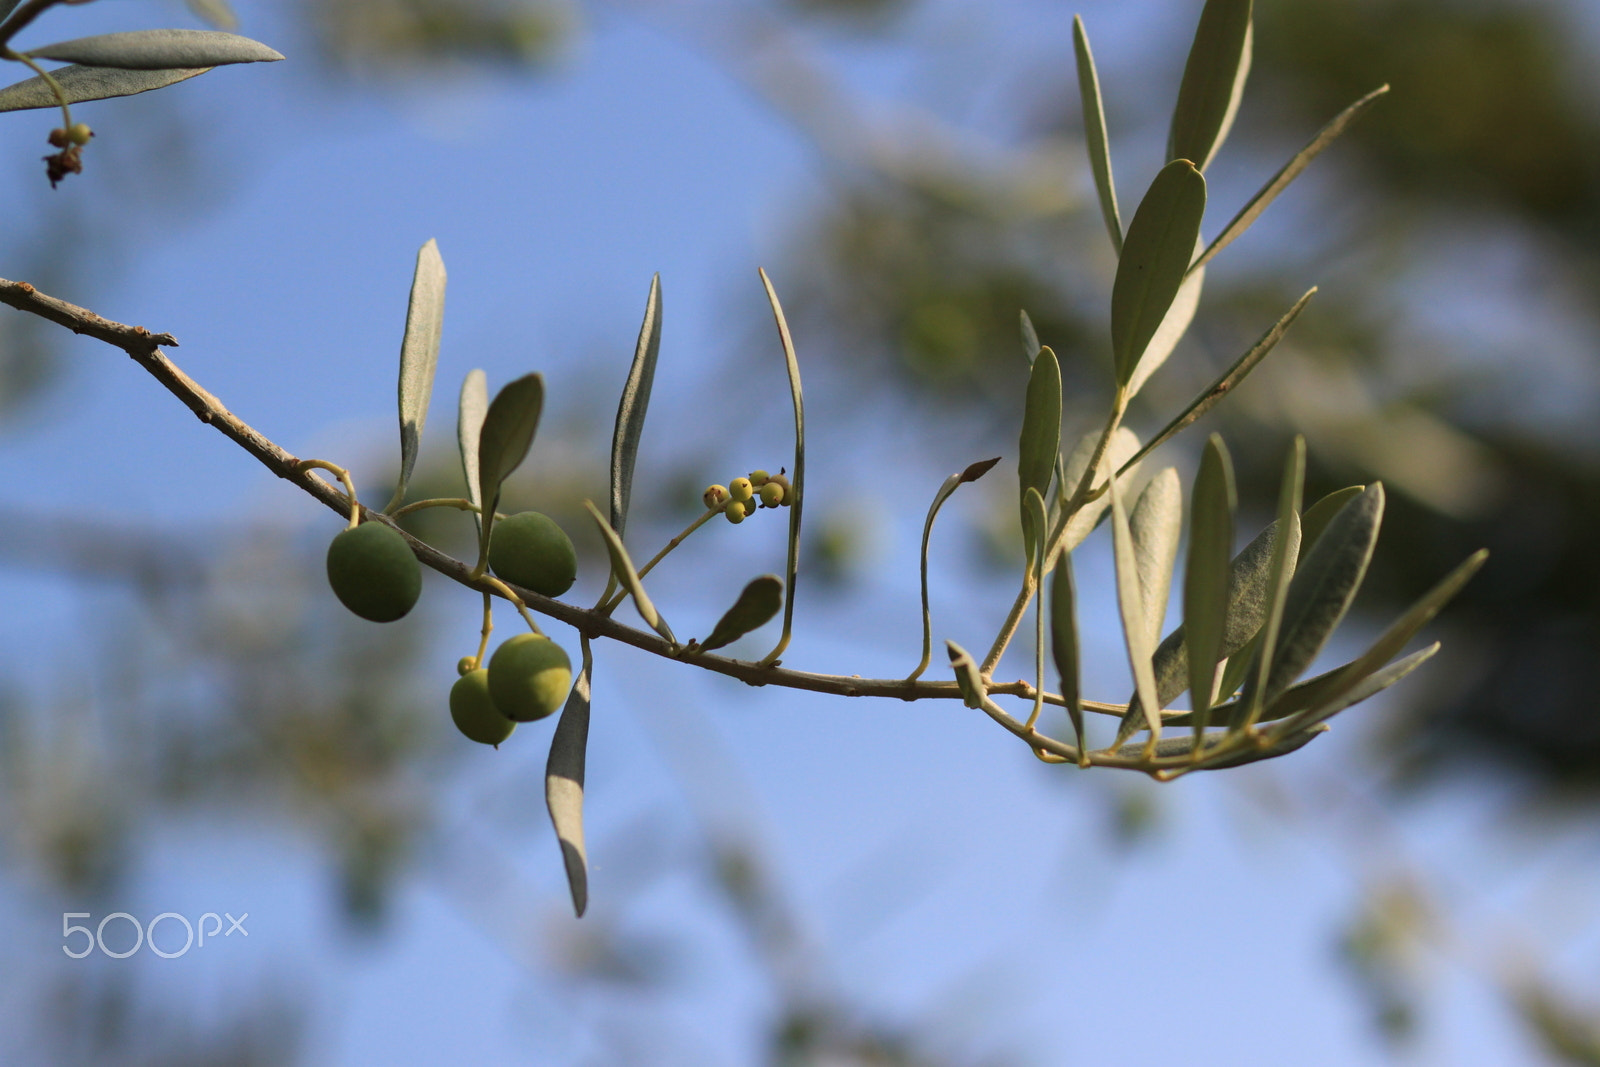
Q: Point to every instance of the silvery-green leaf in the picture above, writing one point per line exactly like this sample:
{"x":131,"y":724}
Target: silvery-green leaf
{"x":1326,"y":690}
{"x":1034,"y":525}
{"x":563,"y":782}
{"x":797,"y":478}
{"x":1036,"y":529}
{"x":1213,"y":80}
{"x":1064,"y":642}
{"x":971,"y":474}
{"x":1184,"y":745}
{"x":622,"y":568}
{"x":1094,"y":133}
{"x":758,"y":602}
{"x":1278,"y":632}
{"x":1357,"y":690}
{"x":1230,"y":379}
{"x":1030,"y":338}
{"x":469,"y":427}
{"x":1174,"y":324}
{"x":217,"y":12}
{"x":1291,"y":170}
{"x":1208,"y":572}
{"x":1318,"y":515}
{"x":79,"y":84}
{"x":419,"y":358}
{"x":1155,"y":256}
{"x":1119,"y":455}
{"x":1157,"y":526}
{"x":968,"y":679}
{"x":1040,"y":441}
{"x":158,"y":50}
{"x":503,"y":441}
{"x":1130,"y":601}
{"x":632,"y":407}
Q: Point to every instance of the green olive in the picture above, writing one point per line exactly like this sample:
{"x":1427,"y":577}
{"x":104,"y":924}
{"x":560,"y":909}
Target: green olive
{"x":474,"y":712}
{"x":737,"y":510}
{"x":758,"y":478}
{"x":79,"y":133}
{"x":529,"y":677}
{"x":739,"y":489}
{"x":788,"y":491}
{"x":373,"y":572}
{"x":771,"y":494}
{"x":715,"y":496}
{"x":530,"y":550}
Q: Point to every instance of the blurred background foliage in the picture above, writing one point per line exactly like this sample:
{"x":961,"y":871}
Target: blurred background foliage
{"x":1467,"y":199}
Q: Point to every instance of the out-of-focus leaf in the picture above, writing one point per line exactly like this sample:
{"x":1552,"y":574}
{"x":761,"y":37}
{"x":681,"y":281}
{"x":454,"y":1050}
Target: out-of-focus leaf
{"x":758,"y":602}
{"x":632,"y":407}
{"x":7,"y":7}
{"x":1174,"y":324}
{"x":1036,"y":528}
{"x":1064,"y":642}
{"x":1040,"y":440}
{"x":1172,"y":747}
{"x":89,"y":83}
{"x":1318,"y":693}
{"x":1157,"y":526}
{"x":1279,"y":630}
{"x":503,"y":441}
{"x":1155,"y":256}
{"x":1364,"y":689}
{"x":1291,"y":170}
{"x":971,"y":474}
{"x":1030,"y":338}
{"x":158,"y":50}
{"x":1094,"y":133}
{"x":1318,"y":515}
{"x":1130,"y":599}
{"x":797,"y":479}
{"x":1207,"y":574}
{"x":469,"y":427}
{"x":1230,"y":378}
{"x":419,"y":358}
{"x":1124,"y":444}
{"x":968,"y":678}
{"x":1213,"y":80}
{"x":622,"y":567}
{"x":563,"y":782}
{"x":217,"y":12}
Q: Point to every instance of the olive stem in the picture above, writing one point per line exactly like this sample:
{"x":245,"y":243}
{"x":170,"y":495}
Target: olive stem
{"x":55,"y":87}
{"x":488,"y":626}
{"x":344,"y":476}
{"x":608,"y":606}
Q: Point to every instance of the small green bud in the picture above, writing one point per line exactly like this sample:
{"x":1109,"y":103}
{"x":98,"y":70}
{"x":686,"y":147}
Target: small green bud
{"x":373,"y":572}
{"x":740,"y":489}
{"x":736,"y":511}
{"x":758,"y":478}
{"x":79,"y":133}
{"x":530,"y":550}
{"x":771,"y":495}
{"x":473,"y":710}
{"x":529,"y":677}
{"x":715,"y":496}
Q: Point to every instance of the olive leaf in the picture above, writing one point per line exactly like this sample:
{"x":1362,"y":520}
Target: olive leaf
{"x":158,"y":50}
{"x":1318,"y":515}
{"x":1155,"y":256}
{"x":1030,"y":338}
{"x":797,"y":480}
{"x":503,"y":442}
{"x":1225,"y":384}
{"x":1213,"y":80}
{"x":1291,"y":170}
{"x":632,"y":407}
{"x":951,"y":484}
{"x":1174,"y":324}
{"x":622,"y":567}
{"x":1156,"y":524}
{"x":1130,"y":600}
{"x":1208,"y":574}
{"x":1361,"y":689}
{"x":473,"y":407}
{"x":79,"y":84}
{"x":563,"y":781}
{"x":1124,"y":445}
{"x":968,"y":678}
{"x":1064,"y":645}
{"x":1094,"y":133}
{"x":1040,"y":441}
{"x":1325,"y":690}
{"x":1187,"y":744}
{"x":1036,"y":526}
{"x":1282,"y":631}
{"x":758,"y":602}
{"x":419,"y":358}
{"x":217,"y":12}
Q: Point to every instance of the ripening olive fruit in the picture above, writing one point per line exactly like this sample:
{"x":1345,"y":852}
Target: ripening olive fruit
{"x":788,"y":492}
{"x":739,"y":489}
{"x":79,"y":133}
{"x":736,"y":511}
{"x":529,"y":677}
{"x":758,"y":478}
{"x":715,"y":496}
{"x":474,"y":712}
{"x":59,"y":137}
{"x":530,"y":550}
{"x":373,"y":572}
{"x":771,"y":494}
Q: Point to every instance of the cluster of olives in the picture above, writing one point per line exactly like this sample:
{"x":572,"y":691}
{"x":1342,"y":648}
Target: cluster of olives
{"x":741,"y":496}
{"x":373,"y":573}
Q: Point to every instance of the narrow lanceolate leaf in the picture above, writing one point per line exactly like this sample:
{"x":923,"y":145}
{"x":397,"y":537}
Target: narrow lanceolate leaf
{"x":1174,"y":324}
{"x":217,"y":12}
{"x":1124,"y":444}
{"x":158,"y":50}
{"x":79,"y":84}
{"x":1229,"y":380}
{"x":971,"y":474}
{"x":1291,"y":170}
{"x":1094,"y":133}
{"x":1356,"y":692}
{"x":1036,"y":527}
{"x":419,"y":358}
{"x":504,"y":440}
{"x":1175,"y":748}
{"x":7,"y":7}
{"x":1278,"y":629}
{"x":797,"y":480}
{"x":1040,"y":441}
{"x":469,"y":428}
{"x":1130,"y":599}
{"x":628,"y":577}
{"x":1213,"y":80}
{"x":968,"y":679}
{"x":1155,"y":257}
{"x":631,"y":408}
{"x":1206,"y":575}
{"x":1030,"y":338}
{"x":1318,"y":515}
{"x":1327,"y":690}
{"x":1064,"y":642}
{"x":757,"y":604}
{"x":1157,"y":525}
{"x":563,"y":782}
